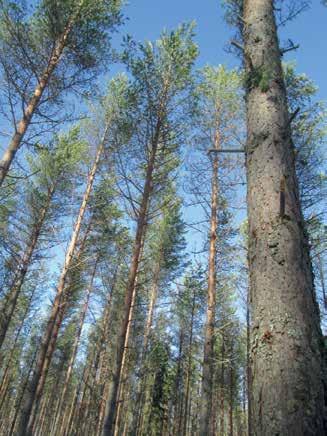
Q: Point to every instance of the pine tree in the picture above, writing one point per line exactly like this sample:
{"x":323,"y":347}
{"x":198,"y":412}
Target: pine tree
{"x":59,"y":46}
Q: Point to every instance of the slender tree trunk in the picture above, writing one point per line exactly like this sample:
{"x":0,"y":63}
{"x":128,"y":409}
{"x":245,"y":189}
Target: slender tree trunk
{"x":36,"y":385}
{"x":148,"y":325}
{"x":222,"y":389}
{"x":67,"y":430}
{"x":110,"y":420}
{"x":32,"y":105}
{"x":10,"y":300}
{"x":231,"y":398}
{"x":153,"y":299}
{"x":208,"y":355}
{"x":130,"y":317}
{"x":21,"y":396}
{"x":286,"y":341}
{"x":189,"y":368}
{"x":75,"y":347}
{"x":13,"y":348}
{"x":322,"y":280}
{"x":178,"y":384}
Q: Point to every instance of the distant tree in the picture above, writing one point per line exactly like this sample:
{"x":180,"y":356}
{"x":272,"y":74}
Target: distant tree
{"x":161,"y":74}
{"x":34,"y":392}
{"x":44,"y":194}
{"x":218,"y":121}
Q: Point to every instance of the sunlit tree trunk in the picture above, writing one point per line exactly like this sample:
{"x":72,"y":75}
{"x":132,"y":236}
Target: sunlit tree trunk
{"x":208,"y":356}
{"x":35,"y":388}
{"x":110,"y":420}
{"x":75,"y":347}
{"x":286,"y":342}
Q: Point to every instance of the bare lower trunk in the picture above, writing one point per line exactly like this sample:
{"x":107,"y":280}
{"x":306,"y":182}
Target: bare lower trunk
{"x":148,"y":325}
{"x":208,"y":355}
{"x":118,"y":402}
{"x":110,"y":420}
{"x":75,"y":348}
{"x":189,"y":368}
{"x":222,"y":389}
{"x":36,"y":385}
{"x":286,"y":342}
{"x":231,"y":399}
{"x":19,"y":400}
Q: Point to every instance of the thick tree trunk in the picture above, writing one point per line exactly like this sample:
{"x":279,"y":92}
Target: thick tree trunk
{"x":286,"y":341}
{"x":36,"y":385}
{"x":208,"y":355}
{"x":35,"y":99}
{"x":10,"y":300}
{"x":109,"y":425}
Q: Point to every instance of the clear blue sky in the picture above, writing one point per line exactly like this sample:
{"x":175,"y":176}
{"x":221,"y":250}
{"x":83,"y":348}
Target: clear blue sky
{"x":148,"y":17}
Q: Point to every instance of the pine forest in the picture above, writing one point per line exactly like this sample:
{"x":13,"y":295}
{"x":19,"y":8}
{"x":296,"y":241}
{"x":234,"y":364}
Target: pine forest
{"x":163,"y":218}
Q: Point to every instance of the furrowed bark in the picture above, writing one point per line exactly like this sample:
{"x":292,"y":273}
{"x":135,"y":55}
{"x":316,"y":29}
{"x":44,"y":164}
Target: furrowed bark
{"x":36,"y":385}
{"x":287,"y":369}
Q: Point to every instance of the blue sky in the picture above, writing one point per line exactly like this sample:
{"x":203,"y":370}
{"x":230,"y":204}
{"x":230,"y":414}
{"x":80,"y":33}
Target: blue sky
{"x":148,"y":17}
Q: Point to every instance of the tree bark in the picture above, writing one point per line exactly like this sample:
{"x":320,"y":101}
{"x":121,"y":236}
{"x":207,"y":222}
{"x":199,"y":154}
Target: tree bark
{"x":208,"y":355}
{"x":109,"y":425}
{"x":248,"y":365}
{"x":286,"y":342}
{"x":35,"y":387}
